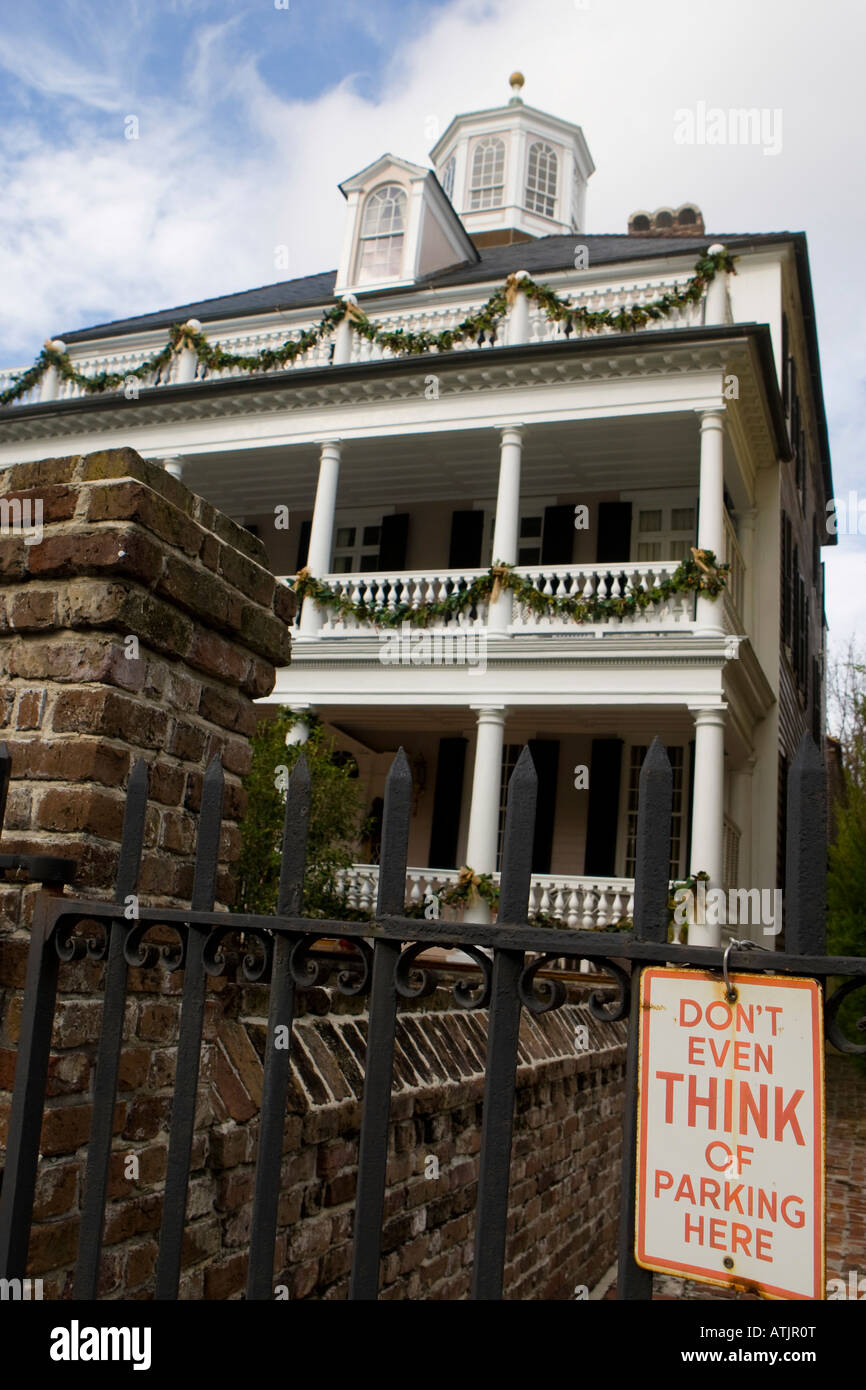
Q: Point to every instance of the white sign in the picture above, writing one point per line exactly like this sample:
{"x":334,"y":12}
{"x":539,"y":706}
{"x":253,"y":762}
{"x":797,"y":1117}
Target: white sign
{"x":730,"y":1148}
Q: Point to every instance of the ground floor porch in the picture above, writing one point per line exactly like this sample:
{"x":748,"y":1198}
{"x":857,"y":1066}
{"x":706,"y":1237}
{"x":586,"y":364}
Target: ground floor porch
{"x":588,"y":762}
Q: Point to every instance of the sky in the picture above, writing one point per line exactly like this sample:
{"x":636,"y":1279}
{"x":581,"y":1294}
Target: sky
{"x":246,"y":116}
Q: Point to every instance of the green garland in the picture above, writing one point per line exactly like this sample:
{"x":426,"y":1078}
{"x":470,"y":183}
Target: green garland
{"x":479,"y":325}
{"x":468,"y":888}
{"x":701,"y":573}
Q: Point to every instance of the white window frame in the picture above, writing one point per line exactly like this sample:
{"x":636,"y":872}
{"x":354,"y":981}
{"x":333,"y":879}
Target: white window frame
{"x":665,"y":500}
{"x":359,"y":518}
{"x":685,"y":804}
{"x":483,"y":188}
{"x":449,"y":165}
{"x":366,"y":239}
{"x":549,"y":152}
{"x":529,"y":506}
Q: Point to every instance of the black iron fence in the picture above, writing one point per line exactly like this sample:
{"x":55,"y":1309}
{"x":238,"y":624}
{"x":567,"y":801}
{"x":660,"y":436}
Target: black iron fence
{"x":387,"y":962}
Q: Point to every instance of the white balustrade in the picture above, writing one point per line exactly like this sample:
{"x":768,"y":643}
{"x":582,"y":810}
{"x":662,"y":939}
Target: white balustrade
{"x":431,"y":318}
{"x":579,"y":902}
{"x":388,"y":589}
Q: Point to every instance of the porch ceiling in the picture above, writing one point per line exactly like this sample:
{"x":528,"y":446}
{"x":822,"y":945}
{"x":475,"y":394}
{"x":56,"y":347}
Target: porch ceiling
{"x":622,"y":453}
{"x":375,"y":731}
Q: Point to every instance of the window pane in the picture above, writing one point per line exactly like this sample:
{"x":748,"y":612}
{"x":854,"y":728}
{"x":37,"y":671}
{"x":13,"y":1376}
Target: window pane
{"x":650,"y":521}
{"x":345,"y":537}
{"x":678,"y":550}
{"x":649,"y":550}
{"x":541,"y":180}
{"x":385,"y":211}
{"x":368,"y":563}
{"x":529,"y":556}
{"x":683,"y":519}
{"x":371,"y":535}
{"x":530,"y":526}
{"x":342,"y":564}
{"x":488,"y":174}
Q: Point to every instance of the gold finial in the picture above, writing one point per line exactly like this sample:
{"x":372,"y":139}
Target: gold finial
{"x":516,"y":81}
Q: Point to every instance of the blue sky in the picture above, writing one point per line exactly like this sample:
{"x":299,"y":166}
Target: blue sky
{"x":249,"y":116}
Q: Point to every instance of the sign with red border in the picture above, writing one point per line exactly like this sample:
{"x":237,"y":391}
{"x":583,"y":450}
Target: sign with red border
{"x":730,"y":1144}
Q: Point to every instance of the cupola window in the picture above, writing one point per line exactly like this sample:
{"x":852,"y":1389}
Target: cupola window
{"x":541,"y":179}
{"x":382,"y":230}
{"x":488,"y":174}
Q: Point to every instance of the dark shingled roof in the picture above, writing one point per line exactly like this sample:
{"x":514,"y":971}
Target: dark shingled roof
{"x":547,"y":254}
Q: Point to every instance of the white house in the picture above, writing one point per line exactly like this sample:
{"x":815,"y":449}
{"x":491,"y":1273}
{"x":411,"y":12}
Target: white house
{"x":590,"y":456}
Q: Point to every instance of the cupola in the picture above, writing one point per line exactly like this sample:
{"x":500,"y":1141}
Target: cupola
{"x":514,"y":173}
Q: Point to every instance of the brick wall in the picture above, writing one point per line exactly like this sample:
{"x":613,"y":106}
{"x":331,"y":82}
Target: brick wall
{"x":128,"y":552}
{"x":143,"y":623}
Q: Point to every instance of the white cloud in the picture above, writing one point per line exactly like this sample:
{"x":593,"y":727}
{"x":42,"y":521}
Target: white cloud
{"x":94,"y":226}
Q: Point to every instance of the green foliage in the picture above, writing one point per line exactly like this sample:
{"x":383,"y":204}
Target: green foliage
{"x":335,"y":819}
{"x":485,"y":321}
{"x":846,"y":880}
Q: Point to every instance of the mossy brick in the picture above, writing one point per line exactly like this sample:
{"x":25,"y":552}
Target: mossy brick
{"x":13,"y":558}
{"x":167,"y":783}
{"x":239,"y":538}
{"x":265,"y":633}
{"x":130,"y":610}
{"x":52,"y":1245}
{"x":186,"y":740}
{"x":216,"y":657}
{"x":58,"y":502}
{"x":88,"y":809}
{"x":126,"y":550}
{"x":285,"y":603}
{"x":260,"y":678}
{"x":134,"y":1217}
{"x":32,"y":607}
{"x":252,"y":579}
{"x":63,"y":657}
{"x":126,"y":500}
{"x":31,"y":706}
{"x":126,"y":463}
{"x":228,"y":710}
{"x":39,"y":473}
{"x":111,"y":714}
{"x":201,"y":593}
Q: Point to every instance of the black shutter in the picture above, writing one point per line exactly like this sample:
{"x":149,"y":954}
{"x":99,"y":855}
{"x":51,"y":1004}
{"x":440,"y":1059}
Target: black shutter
{"x":545,"y":755}
{"x":393,"y":540}
{"x":614,"y":532}
{"x":304,"y":544}
{"x":467,"y":534}
{"x":557,"y":536}
{"x":447,"y":800}
{"x":603,"y":815}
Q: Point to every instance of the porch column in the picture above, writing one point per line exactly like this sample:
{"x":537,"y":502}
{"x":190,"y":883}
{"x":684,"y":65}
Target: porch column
{"x":174,"y":465}
{"x":708,"y":804}
{"x":186,"y":363}
{"x":49,"y":387}
{"x":300,"y":730}
{"x":482,"y":840}
{"x":506,"y":530}
{"x":711,"y":518}
{"x":322,"y":528}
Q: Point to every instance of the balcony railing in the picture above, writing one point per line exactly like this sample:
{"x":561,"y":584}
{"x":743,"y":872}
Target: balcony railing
{"x":390,"y":589}
{"x":577,"y":902}
{"x":432,"y":317}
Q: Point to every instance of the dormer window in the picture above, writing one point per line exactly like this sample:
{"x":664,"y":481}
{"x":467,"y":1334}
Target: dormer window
{"x":448,"y":179}
{"x":541,"y":179}
{"x":382,"y":230}
{"x":488,"y":174}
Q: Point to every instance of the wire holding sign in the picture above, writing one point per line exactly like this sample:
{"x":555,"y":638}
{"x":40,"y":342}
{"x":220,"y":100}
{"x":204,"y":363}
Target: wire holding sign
{"x":730,"y":1144}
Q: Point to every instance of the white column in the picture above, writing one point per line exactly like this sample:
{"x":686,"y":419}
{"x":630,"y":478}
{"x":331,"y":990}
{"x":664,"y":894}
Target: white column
{"x":708,"y":803}
{"x":300,"y":730}
{"x":506,"y":530}
{"x":518,"y":315}
{"x":711,"y":517}
{"x":343,"y":337}
{"x":482,"y":840}
{"x":174,"y":465}
{"x":322,"y":528}
{"x":716,"y":304}
{"x":49,"y":387}
{"x":187,"y":362}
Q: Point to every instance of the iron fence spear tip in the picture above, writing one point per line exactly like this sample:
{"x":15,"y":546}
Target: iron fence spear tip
{"x":657,"y":759}
{"x":524,"y":775}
